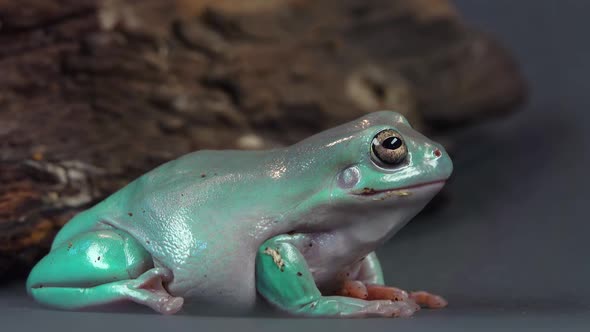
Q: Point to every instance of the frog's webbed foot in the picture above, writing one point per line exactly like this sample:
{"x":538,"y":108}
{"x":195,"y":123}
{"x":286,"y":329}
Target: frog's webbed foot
{"x":148,"y":289}
{"x":360,"y":290}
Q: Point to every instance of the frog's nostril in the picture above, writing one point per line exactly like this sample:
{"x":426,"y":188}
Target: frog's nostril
{"x":437,"y":153}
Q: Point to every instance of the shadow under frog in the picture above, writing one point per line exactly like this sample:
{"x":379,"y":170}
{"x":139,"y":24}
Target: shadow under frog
{"x":296,"y":226}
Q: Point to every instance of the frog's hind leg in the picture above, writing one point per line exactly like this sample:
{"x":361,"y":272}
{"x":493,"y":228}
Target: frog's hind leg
{"x":101,"y":267}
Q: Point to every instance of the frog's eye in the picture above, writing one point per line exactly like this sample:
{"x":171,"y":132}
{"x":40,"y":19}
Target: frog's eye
{"x":388,"y":148}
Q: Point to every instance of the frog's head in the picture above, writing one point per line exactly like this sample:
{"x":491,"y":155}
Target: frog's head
{"x":379,"y":168}
{"x":389,"y":159}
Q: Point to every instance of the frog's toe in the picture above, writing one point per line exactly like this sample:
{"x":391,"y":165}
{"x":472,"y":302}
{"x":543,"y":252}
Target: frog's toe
{"x":159,"y":301}
{"x":354,"y":288}
{"x":172,"y":305}
{"x":428,"y":300}
{"x":379,"y":292}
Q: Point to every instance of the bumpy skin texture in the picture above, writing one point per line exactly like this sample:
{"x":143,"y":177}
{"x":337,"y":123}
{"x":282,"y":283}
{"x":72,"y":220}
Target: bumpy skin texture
{"x":292,"y":224}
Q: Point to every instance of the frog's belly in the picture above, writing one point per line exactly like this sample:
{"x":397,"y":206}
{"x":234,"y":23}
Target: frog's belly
{"x":208,"y":267}
{"x":223,"y":281}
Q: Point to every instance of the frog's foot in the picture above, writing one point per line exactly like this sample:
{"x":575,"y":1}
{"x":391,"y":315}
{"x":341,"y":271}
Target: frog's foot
{"x":357,"y":289}
{"x":148,"y":289}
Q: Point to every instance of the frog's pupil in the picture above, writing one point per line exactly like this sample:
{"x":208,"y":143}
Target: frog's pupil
{"x":392,"y":143}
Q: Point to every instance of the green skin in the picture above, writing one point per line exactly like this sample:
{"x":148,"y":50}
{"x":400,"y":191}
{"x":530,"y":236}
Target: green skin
{"x":220,"y":227}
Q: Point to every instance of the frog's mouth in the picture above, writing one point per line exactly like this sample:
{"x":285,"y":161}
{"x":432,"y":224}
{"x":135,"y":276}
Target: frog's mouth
{"x":403,"y":191}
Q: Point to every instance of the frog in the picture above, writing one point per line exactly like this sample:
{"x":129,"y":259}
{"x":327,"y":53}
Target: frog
{"x":296,"y":227}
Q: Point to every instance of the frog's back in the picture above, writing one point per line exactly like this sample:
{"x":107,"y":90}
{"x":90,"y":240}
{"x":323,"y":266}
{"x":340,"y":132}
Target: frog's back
{"x":102,"y":215}
{"x":156,"y":198}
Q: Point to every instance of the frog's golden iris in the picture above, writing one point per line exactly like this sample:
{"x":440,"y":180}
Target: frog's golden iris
{"x":388,"y":148}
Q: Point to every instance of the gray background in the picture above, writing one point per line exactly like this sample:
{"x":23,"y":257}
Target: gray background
{"x":509,"y":250}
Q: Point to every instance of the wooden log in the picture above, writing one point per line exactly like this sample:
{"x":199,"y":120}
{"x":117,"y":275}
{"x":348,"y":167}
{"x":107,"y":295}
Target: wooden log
{"x":94,"y":93}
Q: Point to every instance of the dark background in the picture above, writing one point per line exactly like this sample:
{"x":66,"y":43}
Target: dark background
{"x":510,"y":247}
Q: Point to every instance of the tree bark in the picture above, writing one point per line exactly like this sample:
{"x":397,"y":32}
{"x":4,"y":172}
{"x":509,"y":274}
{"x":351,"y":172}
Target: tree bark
{"x":95,"y":93}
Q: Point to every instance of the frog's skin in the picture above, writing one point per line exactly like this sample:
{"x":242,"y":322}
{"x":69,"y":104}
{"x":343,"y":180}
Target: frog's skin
{"x":220,"y":227}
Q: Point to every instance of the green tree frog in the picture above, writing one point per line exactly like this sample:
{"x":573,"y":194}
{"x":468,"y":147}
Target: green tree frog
{"x":296,"y":226}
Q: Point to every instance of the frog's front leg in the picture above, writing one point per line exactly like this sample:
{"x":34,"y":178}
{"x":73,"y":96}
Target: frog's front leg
{"x":368,"y":283}
{"x":283,"y":278}
{"x":98,"y":268}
